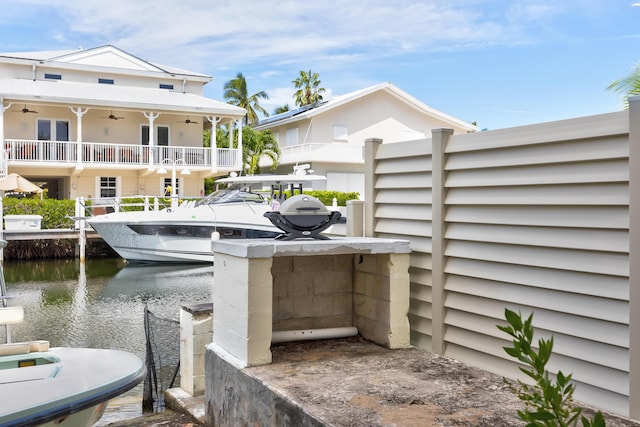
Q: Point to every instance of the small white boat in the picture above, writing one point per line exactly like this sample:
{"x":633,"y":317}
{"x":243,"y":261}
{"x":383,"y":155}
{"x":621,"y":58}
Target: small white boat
{"x":62,"y":386}
{"x":184,"y":234}
{"x":70,"y":387}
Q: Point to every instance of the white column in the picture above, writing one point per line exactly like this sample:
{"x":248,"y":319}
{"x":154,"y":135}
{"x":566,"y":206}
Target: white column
{"x":240,"y":158}
{"x":79,"y":112}
{"x":213,"y":142}
{"x":151,"y":117}
{"x":174,"y":194}
{"x":2,"y":124}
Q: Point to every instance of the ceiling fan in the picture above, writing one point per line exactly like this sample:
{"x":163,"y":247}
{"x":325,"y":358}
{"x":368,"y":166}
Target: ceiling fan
{"x":26,"y":110}
{"x":188,"y":121}
{"x":112,"y":117}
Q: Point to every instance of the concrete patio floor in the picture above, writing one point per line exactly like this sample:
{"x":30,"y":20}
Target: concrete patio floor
{"x":351,"y":382}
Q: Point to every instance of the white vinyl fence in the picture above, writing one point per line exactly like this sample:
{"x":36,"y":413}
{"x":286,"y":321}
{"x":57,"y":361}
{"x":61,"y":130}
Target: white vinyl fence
{"x":535,"y":218}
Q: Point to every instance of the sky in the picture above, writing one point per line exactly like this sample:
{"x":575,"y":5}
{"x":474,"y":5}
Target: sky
{"x":497,"y":63}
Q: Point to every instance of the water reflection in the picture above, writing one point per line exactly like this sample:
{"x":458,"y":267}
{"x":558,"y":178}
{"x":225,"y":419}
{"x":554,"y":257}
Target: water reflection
{"x":99,"y":303}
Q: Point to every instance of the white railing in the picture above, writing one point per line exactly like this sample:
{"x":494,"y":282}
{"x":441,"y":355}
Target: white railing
{"x":227,"y":157}
{"x":97,"y":153}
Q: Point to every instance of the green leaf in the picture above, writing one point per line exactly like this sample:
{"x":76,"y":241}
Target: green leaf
{"x":514,"y":319}
{"x":542,"y":415}
{"x":548,"y":400}
{"x":511,"y":352}
{"x":507,"y":329}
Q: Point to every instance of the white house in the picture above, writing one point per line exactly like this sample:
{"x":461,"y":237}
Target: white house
{"x":101,"y":123}
{"x":329,"y":136}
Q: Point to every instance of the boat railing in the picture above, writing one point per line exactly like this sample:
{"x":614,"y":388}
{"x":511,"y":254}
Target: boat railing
{"x":88,"y":207}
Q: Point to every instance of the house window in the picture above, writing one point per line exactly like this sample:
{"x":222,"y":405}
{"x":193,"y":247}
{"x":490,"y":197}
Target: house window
{"x":166,"y":86}
{"x":161,"y":135}
{"x":52,"y":76}
{"x":105,"y":81}
{"x":291,"y":137}
{"x":340,"y":133}
{"x":108,"y":187}
{"x":161,"y":140}
{"x":52,"y":130}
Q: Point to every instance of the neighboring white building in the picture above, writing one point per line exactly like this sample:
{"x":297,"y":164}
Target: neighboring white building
{"x":101,"y":122}
{"x":330,"y":135}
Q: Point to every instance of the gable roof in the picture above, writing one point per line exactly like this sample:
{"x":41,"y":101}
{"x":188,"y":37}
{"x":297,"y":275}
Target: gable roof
{"x":103,"y":57}
{"x":309,"y":111}
{"x":113,"y":60}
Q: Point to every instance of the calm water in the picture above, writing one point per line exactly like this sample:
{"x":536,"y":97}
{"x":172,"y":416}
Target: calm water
{"x":100,"y":303}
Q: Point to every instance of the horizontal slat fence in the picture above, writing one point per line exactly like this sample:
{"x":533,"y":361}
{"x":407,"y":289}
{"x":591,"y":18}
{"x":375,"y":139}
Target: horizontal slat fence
{"x":534,"y":218}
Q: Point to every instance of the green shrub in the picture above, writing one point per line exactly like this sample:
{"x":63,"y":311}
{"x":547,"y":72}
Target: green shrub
{"x":326,"y":197}
{"x":548,"y":402}
{"x":55,"y":213}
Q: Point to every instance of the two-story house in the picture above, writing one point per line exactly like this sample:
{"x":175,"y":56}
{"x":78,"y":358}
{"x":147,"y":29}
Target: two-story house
{"x":102,"y":123}
{"x":329,"y":136}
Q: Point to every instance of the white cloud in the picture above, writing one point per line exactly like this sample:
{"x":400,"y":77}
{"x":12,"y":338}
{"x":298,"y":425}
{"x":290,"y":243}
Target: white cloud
{"x":197,"y":32}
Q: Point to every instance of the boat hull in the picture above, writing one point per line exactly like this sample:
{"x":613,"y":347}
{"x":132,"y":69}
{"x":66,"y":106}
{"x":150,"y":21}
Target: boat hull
{"x":180,"y":236}
{"x":64,"y":386}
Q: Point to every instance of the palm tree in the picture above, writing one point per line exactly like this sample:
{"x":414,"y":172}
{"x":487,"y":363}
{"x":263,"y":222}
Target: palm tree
{"x":629,"y":85}
{"x":258,"y":144}
{"x":308,"y":90}
{"x":282,"y":109}
{"x":255,"y":145}
{"x":235,"y":92}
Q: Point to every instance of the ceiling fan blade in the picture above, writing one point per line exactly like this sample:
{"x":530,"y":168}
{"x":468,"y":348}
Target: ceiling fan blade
{"x":25,"y":110}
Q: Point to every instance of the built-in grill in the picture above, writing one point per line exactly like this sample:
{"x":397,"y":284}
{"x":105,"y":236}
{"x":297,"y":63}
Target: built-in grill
{"x":302,"y":216}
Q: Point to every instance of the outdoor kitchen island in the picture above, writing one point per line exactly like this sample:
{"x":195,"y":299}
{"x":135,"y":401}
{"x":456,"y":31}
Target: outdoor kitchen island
{"x":301,"y":288}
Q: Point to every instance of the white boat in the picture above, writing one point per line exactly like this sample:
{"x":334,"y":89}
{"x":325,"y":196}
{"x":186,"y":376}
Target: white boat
{"x":184,"y":234}
{"x":69,"y":387}
{"x":62,"y":386}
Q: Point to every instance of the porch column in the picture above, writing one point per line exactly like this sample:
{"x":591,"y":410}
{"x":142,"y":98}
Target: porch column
{"x":213,"y":143}
{"x":240,"y":157}
{"x":79,"y":112}
{"x":151,"y":116}
{"x":231,"y":122}
{"x":4,"y":163}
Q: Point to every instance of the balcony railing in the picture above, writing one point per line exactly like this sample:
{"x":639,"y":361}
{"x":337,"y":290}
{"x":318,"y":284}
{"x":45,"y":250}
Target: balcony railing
{"x":98,"y":153}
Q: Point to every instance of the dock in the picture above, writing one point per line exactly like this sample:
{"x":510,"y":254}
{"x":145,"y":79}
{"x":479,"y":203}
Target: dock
{"x":80,"y":235}
{"x":49,"y":234}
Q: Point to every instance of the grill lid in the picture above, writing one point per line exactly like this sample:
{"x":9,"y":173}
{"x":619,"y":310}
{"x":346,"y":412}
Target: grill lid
{"x":302,"y":216}
{"x":303,"y":205}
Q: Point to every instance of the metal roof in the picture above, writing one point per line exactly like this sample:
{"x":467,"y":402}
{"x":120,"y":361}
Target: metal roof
{"x":107,"y":57}
{"x":113,"y":96}
{"x":288,"y":114}
{"x":337,"y":101}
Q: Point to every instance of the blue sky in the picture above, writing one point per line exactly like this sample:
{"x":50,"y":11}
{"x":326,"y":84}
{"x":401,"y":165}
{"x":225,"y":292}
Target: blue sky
{"x":499,"y":63}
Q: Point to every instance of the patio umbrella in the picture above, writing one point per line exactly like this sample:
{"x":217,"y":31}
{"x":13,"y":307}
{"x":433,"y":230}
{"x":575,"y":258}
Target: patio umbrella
{"x":14,"y":182}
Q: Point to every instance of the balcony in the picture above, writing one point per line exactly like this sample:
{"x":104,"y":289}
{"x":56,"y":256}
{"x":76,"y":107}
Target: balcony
{"x":100,"y":155}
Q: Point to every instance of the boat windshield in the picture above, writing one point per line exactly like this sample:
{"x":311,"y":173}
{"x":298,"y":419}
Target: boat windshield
{"x":232,"y":195}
